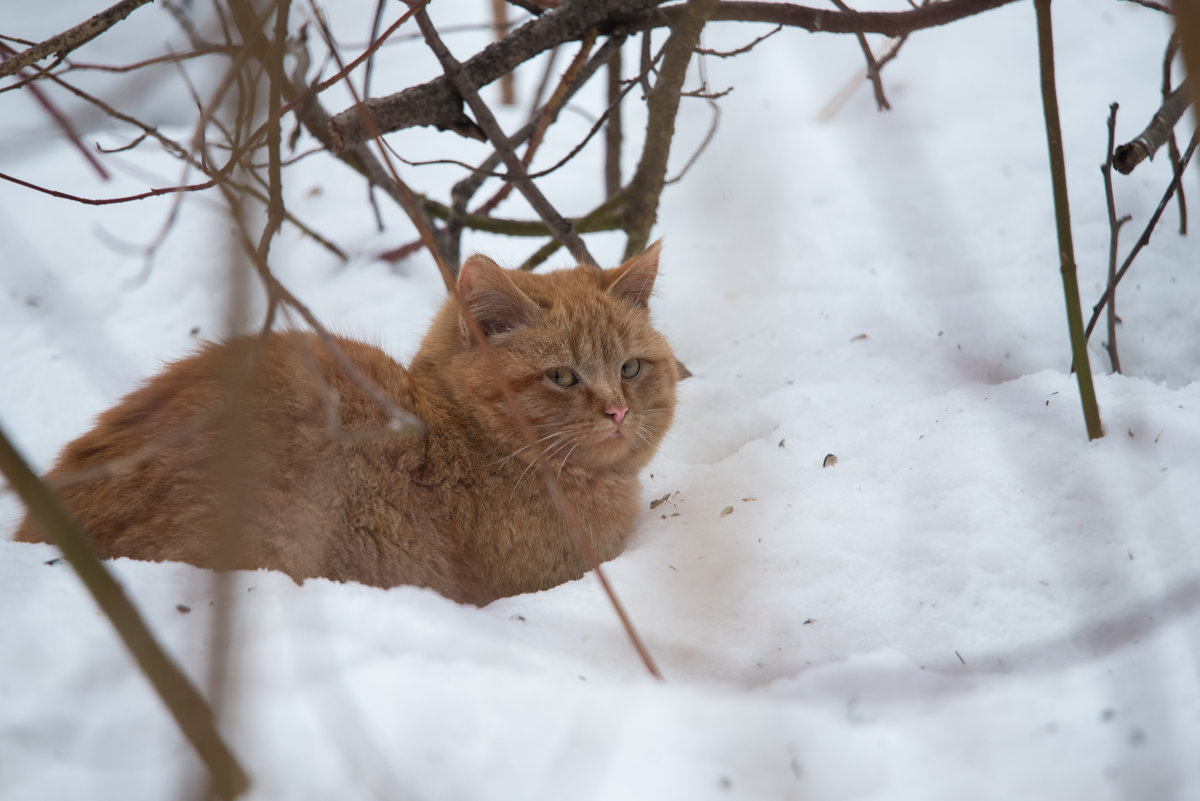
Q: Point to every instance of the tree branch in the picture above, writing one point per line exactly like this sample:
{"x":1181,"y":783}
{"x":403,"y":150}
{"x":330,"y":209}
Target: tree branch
{"x":69,"y":40}
{"x":517,"y":173}
{"x":819,"y":20}
{"x":881,"y":101}
{"x":1114,"y":228}
{"x":1144,"y":239}
{"x":662,"y":106}
{"x":1146,"y":144}
{"x":437,"y":103}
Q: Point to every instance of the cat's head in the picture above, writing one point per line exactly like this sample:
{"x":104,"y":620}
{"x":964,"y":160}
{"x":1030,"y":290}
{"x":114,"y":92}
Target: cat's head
{"x":593,"y":378}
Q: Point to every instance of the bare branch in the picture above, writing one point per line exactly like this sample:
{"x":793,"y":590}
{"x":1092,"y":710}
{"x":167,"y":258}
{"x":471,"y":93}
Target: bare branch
{"x":1150,"y":4}
{"x":817,"y":20}
{"x":873,"y":75}
{"x":1114,"y":228}
{"x":62,"y":122}
{"x":437,"y":103}
{"x":516,"y":170}
{"x":1172,"y":49}
{"x":109,"y":200}
{"x":1144,"y":239}
{"x":663,"y":105}
{"x":69,"y":40}
{"x":1146,"y":144}
{"x":743,"y":49}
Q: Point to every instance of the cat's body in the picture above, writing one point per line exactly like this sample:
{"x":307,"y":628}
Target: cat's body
{"x":462,"y":509}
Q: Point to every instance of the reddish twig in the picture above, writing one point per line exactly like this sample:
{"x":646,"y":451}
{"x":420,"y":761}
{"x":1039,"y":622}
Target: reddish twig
{"x":517,"y":173}
{"x":61,"y":121}
{"x":109,"y":201}
{"x":545,"y":117}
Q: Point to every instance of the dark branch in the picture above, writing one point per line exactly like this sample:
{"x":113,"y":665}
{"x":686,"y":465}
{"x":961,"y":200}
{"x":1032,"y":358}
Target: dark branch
{"x":67,"y":41}
{"x":562,"y":228}
{"x":1144,"y":239}
{"x":890,"y":23}
{"x":662,"y":106}
{"x":1146,"y":144}
{"x":436,"y":103}
{"x":1114,"y":229}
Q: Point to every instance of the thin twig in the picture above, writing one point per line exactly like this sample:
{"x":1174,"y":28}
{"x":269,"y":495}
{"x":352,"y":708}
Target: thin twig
{"x":741,"y":50}
{"x":64,"y":124}
{"x":662,"y":106}
{"x":464,"y":190}
{"x":487,"y":121}
{"x":1172,"y":145}
{"x":819,"y":20}
{"x":383,"y":173}
{"x":69,"y":40}
{"x":545,"y":117}
{"x":1144,"y":239}
{"x":1114,"y":228}
{"x":714,"y":124}
{"x":108,"y":201}
{"x":1151,"y":4}
{"x":873,"y":75}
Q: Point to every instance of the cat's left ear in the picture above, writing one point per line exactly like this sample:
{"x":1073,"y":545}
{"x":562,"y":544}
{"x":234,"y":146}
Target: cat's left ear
{"x":492,"y":297}
{"x":633,"y":281}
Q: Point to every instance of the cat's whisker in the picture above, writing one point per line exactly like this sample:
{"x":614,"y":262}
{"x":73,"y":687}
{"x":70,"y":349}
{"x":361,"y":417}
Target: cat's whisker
{"x":528,"y":468}
{"x":547,"y":454}
{"x":564,"y":461}
{"x":503,"y":459}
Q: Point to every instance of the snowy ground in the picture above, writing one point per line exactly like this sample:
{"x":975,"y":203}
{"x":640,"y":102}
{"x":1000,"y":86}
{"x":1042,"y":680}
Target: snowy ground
{"x":975,"y":602}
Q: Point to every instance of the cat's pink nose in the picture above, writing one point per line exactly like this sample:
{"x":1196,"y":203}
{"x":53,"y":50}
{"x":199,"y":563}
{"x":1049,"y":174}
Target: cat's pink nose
{"x":617,"y":413}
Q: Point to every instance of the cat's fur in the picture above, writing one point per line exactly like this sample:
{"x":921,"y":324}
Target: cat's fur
{"x":461,"y":510}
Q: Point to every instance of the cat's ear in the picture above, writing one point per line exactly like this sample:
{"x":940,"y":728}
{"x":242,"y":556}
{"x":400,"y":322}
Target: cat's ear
{"x":633,"y":281}
{"x":492,"y":297}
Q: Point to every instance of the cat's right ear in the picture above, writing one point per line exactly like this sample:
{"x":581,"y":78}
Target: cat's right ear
{"x":492,"y":298}
{"x":633,"y":281}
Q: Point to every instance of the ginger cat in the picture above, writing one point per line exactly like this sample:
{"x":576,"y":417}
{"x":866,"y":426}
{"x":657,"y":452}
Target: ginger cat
{"x":315,"y":491}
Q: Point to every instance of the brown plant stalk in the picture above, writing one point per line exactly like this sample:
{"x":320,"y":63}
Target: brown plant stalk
{"x":1062,"y":218}
{"x":189,"y":709}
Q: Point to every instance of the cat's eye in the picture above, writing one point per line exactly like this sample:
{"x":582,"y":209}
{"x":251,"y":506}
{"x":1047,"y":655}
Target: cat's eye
{"x":563,"y":377}
{"x":631,"y":368}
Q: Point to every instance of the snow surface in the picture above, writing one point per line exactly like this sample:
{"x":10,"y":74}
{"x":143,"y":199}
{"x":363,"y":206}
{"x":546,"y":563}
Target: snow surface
{"x":975,"y":602}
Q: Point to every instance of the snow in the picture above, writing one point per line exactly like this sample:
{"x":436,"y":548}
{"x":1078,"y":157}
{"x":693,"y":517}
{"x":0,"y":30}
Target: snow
{"x":975,"y":601}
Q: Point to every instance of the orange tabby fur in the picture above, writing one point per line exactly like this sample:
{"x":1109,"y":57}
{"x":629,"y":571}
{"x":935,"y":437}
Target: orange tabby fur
{"x":461,"y":510}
